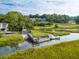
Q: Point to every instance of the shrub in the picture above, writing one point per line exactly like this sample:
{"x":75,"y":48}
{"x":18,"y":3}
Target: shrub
{"x":56,"y":26}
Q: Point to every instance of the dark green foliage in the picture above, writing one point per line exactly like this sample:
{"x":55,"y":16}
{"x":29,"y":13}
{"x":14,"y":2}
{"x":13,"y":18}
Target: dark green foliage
{"x":56,"y":26}
{"x":52,"y":18}
{"x":76,"y":19}
{"x":43,"y":23}
{"x":16,"y":21}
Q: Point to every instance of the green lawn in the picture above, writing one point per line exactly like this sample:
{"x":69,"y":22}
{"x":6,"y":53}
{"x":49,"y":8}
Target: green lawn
{"x":67,"y":50}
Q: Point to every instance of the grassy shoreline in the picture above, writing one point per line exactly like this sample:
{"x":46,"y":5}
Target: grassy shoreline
{"x":67,"y":50}
{"x":11,"y":40}
{"x":63,"y":29}
{"x":56,"y":32}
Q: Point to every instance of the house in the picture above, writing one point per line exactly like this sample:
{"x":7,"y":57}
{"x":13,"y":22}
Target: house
{"x":72,"y":22}
{"x":3,"y":26}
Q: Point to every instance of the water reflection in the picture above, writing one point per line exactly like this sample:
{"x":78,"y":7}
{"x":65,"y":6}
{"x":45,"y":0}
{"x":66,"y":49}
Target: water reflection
{"x":26,"y":45}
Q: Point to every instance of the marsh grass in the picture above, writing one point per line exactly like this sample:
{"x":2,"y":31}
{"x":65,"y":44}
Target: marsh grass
{"x":11,"y":40}
{"x":39,"y":33}
{"x":62,"y":29}
{"x":67,"y":50}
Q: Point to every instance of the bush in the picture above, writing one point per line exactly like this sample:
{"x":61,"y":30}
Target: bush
{"x":43,"y":23}
{"x":56,"y":26}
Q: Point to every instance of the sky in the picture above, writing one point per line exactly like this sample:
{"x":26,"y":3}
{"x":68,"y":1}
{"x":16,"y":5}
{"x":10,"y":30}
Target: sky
{"x":68,"y":7}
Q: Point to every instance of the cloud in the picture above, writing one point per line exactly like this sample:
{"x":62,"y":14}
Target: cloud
{"x":69,"y":7}
{"x":56,"y":2}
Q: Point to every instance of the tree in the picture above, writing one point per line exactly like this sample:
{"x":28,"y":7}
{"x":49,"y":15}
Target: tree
{"x":76,"y":19}
{"x":52,"y":18}
{"x":17,"y":21}
{"x":2,"y":18}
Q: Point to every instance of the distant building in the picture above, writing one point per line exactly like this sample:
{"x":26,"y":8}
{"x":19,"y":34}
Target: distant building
{"x":72,"y":22}
{"x":3,"y":26}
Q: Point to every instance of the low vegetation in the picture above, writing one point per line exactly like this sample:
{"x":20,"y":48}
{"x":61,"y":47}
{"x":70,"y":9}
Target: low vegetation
{"x":1,"y":34}
{"x":68,"y":50}
{"x":55,"y":29}
{"x":38,"y":33}
{"x":11,"y":40}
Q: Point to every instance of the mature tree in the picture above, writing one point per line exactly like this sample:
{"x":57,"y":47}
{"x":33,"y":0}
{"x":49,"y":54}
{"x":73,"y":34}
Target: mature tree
{"x":17,"y":21}
{"x":76,"y":19}
{"x":52,"y":18}
{"x":2,"y":18}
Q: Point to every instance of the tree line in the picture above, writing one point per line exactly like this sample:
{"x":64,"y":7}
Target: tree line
{"x":55,"y":18}
{"x":17,"y":21}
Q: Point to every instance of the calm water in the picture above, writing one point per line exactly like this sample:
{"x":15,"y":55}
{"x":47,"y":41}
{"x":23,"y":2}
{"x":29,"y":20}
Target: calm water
{"x":26,"y":45}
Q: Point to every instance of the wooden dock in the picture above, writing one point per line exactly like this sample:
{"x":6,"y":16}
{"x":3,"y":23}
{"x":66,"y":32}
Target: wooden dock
{"x":27,"y":36}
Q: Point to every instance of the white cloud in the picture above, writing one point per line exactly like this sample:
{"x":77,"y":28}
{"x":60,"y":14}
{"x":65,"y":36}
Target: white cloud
{"x":69,"y":7}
